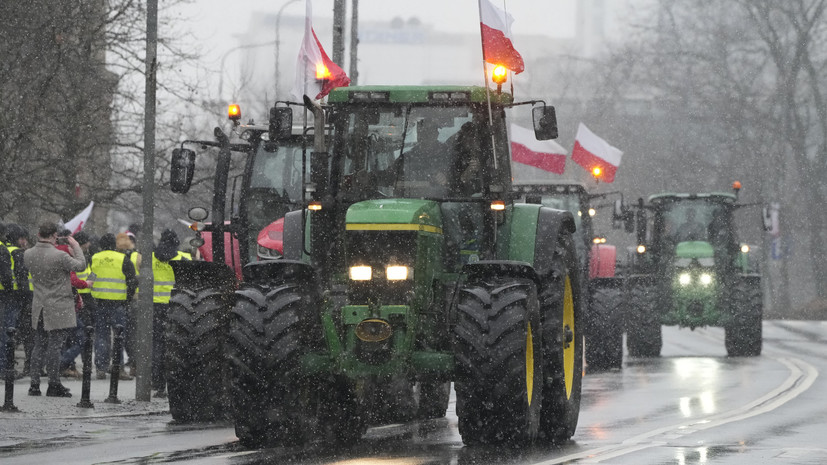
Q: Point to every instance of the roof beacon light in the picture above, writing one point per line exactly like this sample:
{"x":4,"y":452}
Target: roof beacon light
{"x":322,"y":72}
{"x":499,"y":75}
{"x":234,"y":113}
{"x":597,"y":172}
{"x":314,"y":205}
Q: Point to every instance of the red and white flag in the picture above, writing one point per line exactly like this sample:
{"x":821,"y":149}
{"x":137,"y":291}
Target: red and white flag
{"x":77,"y":223}
{"x":497,"y":43}
{"x":316,"y":74}
{"x":544,"y":154}
{"x":595,"y":154}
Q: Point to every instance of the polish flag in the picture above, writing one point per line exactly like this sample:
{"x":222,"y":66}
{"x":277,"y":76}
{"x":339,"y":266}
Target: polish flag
{"x":544,"y":154}
{"x":497,"y":43}
{"x":316,"y":74}
{"x":595,"y":154}
{"x":77,"y":223}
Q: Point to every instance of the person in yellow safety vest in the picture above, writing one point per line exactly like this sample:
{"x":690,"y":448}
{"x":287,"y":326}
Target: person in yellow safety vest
{"x":74,"y":343}
{"x":115,"y":284}
{"x":163,"y":282}
{"x":17,"y":294}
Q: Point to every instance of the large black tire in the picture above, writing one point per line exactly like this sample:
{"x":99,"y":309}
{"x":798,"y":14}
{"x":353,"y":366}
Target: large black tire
{"x":498,"y":348}
{"x":562,"y":305}
{"x":643,"y":329}
{"x":604,"y":331}
{"x":195,"y":362}
{"x":744,"y":333}
{"x":269,"y":334}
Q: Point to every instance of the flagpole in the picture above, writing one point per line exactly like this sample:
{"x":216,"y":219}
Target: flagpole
{"x":487,"y":90}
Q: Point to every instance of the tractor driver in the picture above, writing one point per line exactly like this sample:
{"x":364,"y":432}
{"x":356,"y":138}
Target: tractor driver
{"x":426,"y":164}
{"x":691,"y":229}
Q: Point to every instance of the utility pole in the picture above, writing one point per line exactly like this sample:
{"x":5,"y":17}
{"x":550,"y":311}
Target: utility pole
{"x":354,"y":43}
{"x":143,"y":317}
{"x":339,"y":32}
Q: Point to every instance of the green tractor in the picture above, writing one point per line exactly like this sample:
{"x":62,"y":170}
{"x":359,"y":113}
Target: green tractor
{"x":602,"y":285}
{"x":690,"y":270}
{"x":409,"y":268}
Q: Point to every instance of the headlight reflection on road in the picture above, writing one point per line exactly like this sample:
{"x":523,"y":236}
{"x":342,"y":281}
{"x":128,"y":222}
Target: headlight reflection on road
{"x":703,"y":374}
{"x":686,"y":456}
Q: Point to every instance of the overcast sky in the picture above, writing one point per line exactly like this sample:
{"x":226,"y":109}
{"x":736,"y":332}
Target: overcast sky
{"x":214,"y":23}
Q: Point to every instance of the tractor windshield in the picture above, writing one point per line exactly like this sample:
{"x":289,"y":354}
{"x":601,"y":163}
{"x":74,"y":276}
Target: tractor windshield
{"x":415,"y":151}
{"x":275,"y":184}
{"x":693,"y":220}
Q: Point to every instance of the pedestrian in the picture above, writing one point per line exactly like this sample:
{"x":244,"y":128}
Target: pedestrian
{"x":74,"y":342}
{"x":163,"y":282}
{"x":20,"y":297}
{"x":86,"y":310}
{"x":53,"y":304}
{"x":115,"y":283}
{"x":6,"y":288}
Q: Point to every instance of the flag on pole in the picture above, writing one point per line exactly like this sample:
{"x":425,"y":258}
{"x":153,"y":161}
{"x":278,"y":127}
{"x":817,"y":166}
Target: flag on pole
{"x":595,"y":154}
{"x":316,"y":74}
{"x":544,"y":154}
{"x":497,"y":44}
{"x":77,"y":223}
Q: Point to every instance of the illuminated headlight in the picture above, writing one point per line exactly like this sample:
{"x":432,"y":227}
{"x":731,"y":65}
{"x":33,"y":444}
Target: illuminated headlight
{"x":706,"y":279}
{"x":360,"y":273}
{"x":268,"y":254}
{"x":744,"y":248}
{"x":641,"y":248}
{"x":397,"y":272}
{"x":684,"y":279}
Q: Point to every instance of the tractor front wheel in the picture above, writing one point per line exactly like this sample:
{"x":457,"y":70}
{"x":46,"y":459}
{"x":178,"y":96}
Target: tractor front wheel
{"x":643,"y":329}
{"x":268,"y":337}
{"x":743,"y":334}
{"x":499,"y":358}
{"x":195,"y":362}
{"x":604,"y":332}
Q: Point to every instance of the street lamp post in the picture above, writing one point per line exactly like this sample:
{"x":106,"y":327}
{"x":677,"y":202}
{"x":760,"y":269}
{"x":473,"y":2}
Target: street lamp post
{"x":224,"y":57}
{"x":278,"y":28}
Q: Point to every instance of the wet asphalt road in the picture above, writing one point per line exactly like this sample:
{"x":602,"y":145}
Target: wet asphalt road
{"x":693,"y":405}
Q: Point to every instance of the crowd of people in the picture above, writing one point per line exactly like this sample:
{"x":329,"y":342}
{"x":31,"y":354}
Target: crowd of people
{"x":52,"y":289}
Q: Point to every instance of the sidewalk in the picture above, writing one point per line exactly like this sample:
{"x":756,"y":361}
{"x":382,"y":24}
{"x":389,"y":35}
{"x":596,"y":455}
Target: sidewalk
{"x":42,"y":407}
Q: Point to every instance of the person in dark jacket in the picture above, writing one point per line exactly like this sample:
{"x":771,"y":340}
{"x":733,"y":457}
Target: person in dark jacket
{"x":20,"y":297}
{"x":6,"y":288}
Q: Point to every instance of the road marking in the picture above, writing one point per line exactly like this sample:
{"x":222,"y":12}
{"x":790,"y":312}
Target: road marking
{"x":802,"y":376}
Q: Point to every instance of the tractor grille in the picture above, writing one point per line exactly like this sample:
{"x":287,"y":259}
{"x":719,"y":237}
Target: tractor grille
{"x":378,"y":249}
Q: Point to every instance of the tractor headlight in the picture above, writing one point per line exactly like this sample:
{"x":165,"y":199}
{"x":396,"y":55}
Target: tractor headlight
{"x":705,"y":279}
{"x":267,"y":254}
{"x":684,"y":279}
{"x":360,"y":273}
{"x":397,"y":272}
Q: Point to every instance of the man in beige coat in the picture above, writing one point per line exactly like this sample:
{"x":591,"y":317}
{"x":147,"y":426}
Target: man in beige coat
{"x":53,"y":304}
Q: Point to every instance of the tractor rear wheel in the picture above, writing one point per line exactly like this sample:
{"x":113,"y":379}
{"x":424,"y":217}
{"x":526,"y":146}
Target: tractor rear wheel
{"x":195,"y":362}
{"x":743,"y":335}
{"x":604,"y":333}
{"x":499,"y":358}
{"x":268,"y":337}
{"x":562,"y":306}
{"x":643,"y":331}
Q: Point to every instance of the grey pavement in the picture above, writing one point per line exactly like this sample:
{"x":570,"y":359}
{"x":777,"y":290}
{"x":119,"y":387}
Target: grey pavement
{"x":43,"y":407}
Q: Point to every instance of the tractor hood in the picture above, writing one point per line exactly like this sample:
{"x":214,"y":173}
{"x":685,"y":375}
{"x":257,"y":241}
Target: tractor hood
{"x":408,"y":214}
{"x":692,"y":251}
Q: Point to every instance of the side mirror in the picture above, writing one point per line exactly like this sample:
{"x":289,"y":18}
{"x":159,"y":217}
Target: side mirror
{"x":181,"y":170}
{"x":281,"y":123}
{"x":545,"y":122}
{"x":623,"y":217}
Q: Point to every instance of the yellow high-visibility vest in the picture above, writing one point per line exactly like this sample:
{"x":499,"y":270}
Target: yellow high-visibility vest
{"x":164,"y":278}
{"x":84,"y":275}
{"x":12,"y":248}
{"x":110,"y":283}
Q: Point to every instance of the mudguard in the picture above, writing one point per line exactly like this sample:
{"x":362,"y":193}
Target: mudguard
{"x":550,"y":223}
{"x":486,"y":268}
{"x":194,"y":275}
{"x":274,"y":272}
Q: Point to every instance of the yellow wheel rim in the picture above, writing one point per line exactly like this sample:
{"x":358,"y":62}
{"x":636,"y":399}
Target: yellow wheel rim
{"x":568,"y":347}
{"x":529,"y":364}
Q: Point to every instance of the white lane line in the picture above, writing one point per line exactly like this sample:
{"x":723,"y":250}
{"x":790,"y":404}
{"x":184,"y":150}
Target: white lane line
{"x":802,"y":376}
